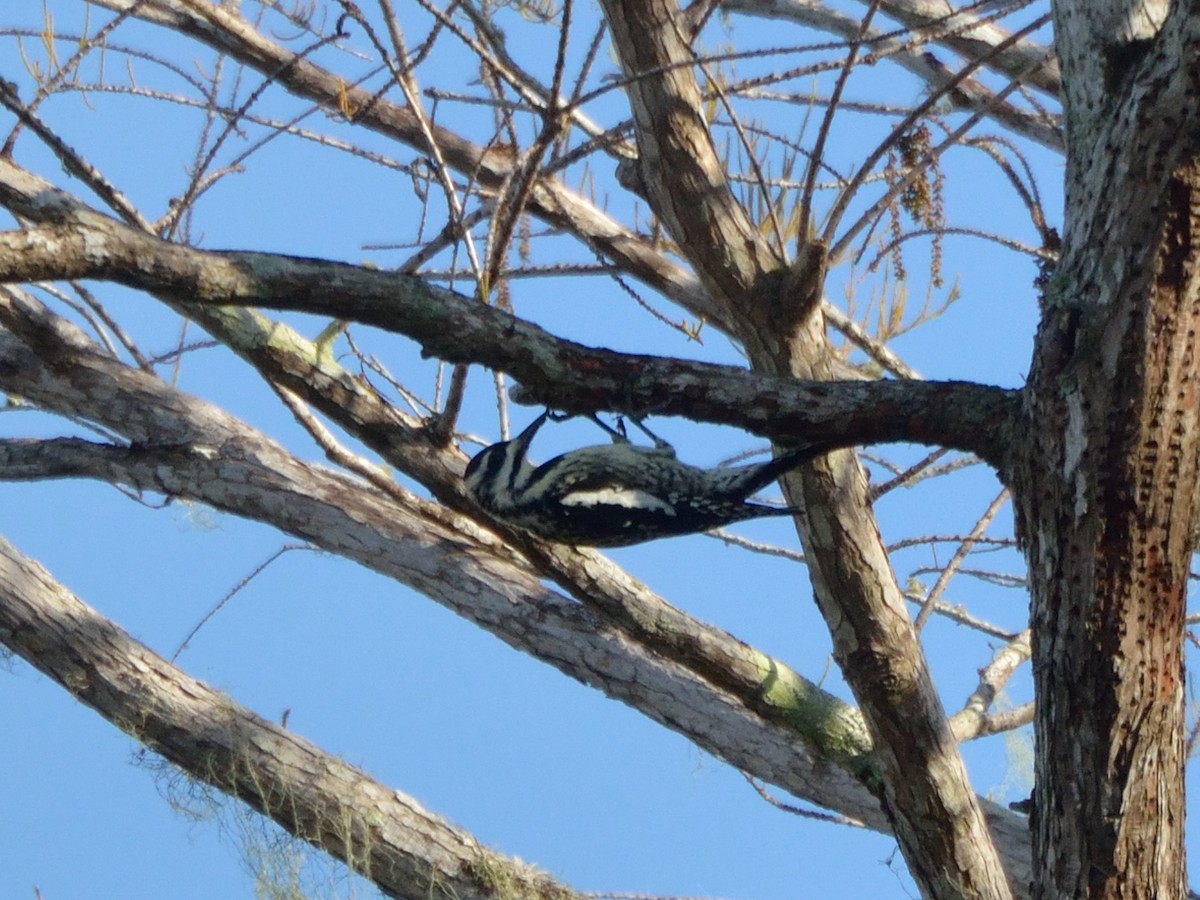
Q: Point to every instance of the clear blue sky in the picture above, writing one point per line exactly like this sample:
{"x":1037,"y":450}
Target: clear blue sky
{"x":530,"y":762}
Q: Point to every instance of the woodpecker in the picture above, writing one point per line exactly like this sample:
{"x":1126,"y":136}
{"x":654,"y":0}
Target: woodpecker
{"x":617,"y":494}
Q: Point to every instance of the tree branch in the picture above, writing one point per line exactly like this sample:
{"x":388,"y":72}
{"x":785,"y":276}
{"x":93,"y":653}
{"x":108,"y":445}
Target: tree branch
{"x":223,"y":29}
{"x":375,"y":830}
{"x":732,"y":700}
{"x":936,"y":817}
{"x":554,"y":372}
{"x":1026,"y":61}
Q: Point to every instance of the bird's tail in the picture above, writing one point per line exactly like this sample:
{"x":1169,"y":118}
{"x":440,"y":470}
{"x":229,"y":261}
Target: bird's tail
{"x":764,"y":474}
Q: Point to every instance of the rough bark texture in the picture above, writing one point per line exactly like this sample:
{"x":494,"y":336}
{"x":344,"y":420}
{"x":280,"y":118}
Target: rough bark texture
{"x":1108,"y":523}
{"x":1107,"y":485}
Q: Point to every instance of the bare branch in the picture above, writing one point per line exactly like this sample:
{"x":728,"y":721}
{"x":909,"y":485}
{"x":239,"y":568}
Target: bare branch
{"x":175,"y":452}
{"x":960,"y":554}
{"x":973,"y":720}
{"x":316,"y":796}
{"x":560,"y":373}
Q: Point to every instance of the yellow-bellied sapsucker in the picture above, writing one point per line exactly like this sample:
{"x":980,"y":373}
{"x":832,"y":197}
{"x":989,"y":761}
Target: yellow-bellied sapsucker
{"x":617,"y":494}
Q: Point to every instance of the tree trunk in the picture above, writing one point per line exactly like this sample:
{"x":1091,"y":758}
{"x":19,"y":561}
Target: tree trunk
{"x":1107,"y":497}
{"x":1106,"y":482}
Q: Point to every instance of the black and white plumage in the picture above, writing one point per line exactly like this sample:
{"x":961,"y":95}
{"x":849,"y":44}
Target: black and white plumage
{"x":617,"y":494}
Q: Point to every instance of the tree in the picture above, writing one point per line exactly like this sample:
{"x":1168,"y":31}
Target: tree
{"x":756,"y":214}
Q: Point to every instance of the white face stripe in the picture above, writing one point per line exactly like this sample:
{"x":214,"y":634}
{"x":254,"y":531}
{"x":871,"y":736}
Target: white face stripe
{"x":497,"y":475}
{"x":611,"y":496}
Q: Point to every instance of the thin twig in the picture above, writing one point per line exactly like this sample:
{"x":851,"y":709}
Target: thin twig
{"x":71,"y":160}
{"x":959,"y":555}
{"x":810,"y":176}
{"x":909,"y":475}
{"x":236,"y":589}
{"x":843,"y":202}
{"x":798,"y":811}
